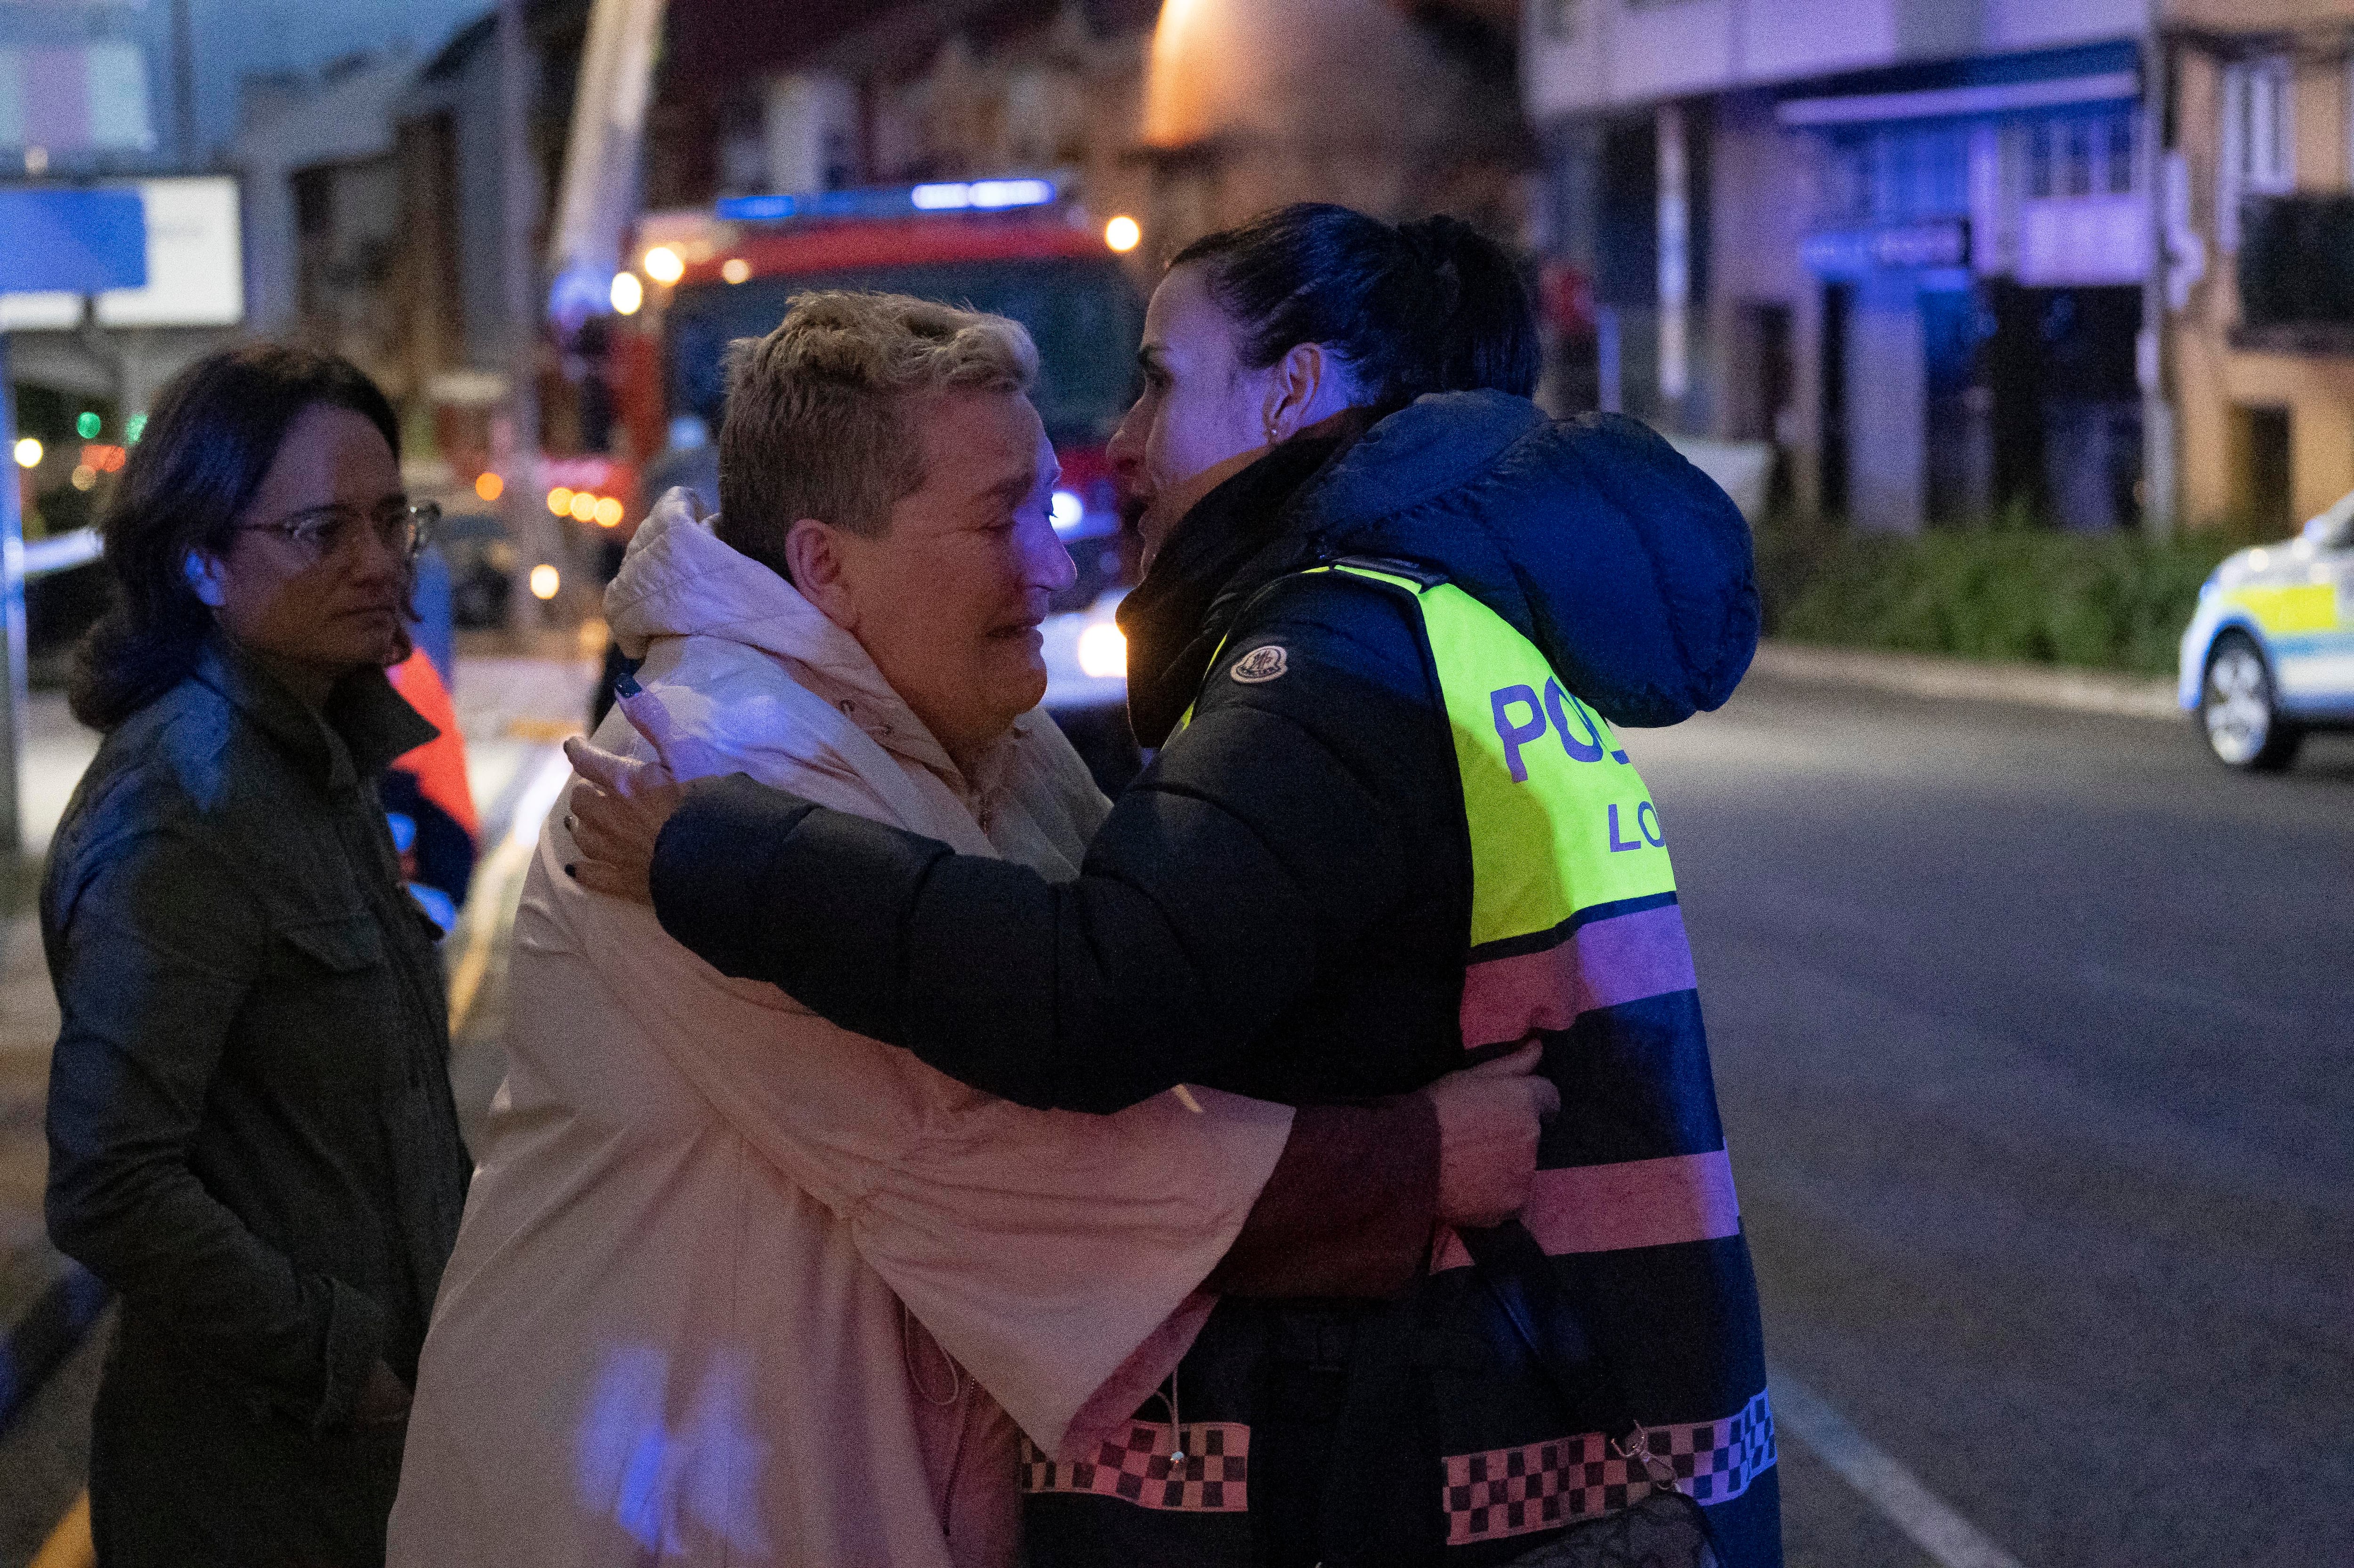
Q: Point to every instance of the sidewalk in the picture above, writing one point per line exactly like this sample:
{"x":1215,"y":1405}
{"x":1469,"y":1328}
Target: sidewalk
{"x":1971,"y":680}
{"x":45,"y":1303}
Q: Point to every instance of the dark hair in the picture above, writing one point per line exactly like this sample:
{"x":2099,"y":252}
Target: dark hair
{"x":211,"y":438}
{"x":1429,"y":306}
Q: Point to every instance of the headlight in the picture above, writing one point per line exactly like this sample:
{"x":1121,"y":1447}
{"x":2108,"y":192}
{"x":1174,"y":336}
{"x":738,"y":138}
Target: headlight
{"x":1103,"y":652}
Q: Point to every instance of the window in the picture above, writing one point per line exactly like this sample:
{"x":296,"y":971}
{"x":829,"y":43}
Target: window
{"x":2081,"y":155}
{"x":2259,"y":144}
{"x":2040,"y":180}
{"x":2121,"y":155}
{"x":2080,"y":159}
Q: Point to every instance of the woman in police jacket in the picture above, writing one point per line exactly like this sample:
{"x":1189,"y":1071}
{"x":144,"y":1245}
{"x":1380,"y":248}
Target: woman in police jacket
{"x":1386,"y":600}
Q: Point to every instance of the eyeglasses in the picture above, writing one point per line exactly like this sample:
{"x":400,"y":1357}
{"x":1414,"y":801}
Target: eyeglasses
{"x":402,"y":529}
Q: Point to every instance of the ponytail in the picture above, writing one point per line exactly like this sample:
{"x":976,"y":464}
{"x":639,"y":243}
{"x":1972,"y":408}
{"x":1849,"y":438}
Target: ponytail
{"x":1487,"y":330}
{"x":1429,"y":306}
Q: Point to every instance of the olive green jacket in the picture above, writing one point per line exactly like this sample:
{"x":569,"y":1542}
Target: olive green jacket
{"x":251,"y":1135}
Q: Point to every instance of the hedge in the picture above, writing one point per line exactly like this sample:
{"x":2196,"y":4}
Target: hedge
{"x":2004,"y":590}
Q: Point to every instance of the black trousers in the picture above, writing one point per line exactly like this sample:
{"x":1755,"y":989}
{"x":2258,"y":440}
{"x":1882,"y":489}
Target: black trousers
{"x":186,"y":1472}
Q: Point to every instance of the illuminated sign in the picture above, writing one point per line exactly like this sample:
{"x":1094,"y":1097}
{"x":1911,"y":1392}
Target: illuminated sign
{"x":54,"y":238}
{"x":1851,"y":253}
{"x":194,"y":273}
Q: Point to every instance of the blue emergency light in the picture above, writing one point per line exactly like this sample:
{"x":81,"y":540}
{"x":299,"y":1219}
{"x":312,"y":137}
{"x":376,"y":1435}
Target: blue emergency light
{"x":893,"y":201}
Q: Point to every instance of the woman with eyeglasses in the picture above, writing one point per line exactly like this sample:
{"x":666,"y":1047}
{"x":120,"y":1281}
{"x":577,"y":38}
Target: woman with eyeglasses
{"x":252,"y":1136}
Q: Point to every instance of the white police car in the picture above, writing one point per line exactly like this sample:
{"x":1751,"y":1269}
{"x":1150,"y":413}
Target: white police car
{"x":2269,"y":653}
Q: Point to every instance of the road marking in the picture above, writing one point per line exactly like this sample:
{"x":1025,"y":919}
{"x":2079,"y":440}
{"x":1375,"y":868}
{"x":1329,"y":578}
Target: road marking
{"x":1950,"y":1539}
{"x":70,"y":1545}
{"x":488,"y":898}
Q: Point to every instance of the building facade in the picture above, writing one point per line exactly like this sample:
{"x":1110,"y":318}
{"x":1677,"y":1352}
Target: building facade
{"x":1906,"y":242}
{"x":2259,"y":232}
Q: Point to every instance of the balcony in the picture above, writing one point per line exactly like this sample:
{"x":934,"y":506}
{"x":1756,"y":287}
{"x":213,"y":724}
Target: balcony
{"x":2296,"y":274}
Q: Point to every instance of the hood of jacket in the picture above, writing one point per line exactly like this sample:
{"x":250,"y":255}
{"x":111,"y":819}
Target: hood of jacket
{"x":1627,"y":568}
{"x":680,"y":580}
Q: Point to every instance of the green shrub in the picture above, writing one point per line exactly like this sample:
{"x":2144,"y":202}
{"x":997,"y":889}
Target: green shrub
{"x":2003,"y":590}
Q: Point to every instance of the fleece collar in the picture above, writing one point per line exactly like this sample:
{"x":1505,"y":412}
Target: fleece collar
{"x":679,"y":579}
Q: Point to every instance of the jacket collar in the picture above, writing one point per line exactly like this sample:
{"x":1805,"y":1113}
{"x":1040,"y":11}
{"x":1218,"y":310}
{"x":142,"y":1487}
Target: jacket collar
{"x":680,"y":580}
{"x":1237,"y":538}
{"x":365,"y":726}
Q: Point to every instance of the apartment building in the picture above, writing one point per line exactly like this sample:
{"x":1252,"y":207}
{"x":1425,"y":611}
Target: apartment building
{"x":1906,"y":241}
{"x":2259,"y":225}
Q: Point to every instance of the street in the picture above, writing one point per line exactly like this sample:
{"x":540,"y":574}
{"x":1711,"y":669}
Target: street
{"x":2030,"y":1030}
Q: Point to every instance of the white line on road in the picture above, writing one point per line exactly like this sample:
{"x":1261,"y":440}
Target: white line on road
{"x":1948,"y":1538}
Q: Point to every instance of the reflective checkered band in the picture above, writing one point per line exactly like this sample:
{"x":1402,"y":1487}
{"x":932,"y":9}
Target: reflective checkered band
{"x":1544,"y":1486}
{"x":1143,"y":1470}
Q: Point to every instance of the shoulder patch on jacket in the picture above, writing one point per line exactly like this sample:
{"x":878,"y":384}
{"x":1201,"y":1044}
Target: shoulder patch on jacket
{"x":1262,"y":663}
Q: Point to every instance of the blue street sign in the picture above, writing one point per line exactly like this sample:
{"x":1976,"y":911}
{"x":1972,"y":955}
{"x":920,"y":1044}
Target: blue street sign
{"x":80,"y":241}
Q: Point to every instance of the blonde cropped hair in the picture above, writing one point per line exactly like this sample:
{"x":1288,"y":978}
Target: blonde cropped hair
{"x":818,"y":411}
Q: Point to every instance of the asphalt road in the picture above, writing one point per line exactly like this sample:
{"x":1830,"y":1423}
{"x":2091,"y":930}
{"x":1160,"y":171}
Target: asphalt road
{"x":2032,"y":1032}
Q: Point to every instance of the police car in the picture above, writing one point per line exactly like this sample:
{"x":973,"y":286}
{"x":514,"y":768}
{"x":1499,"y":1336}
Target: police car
{"x":2270,"y":654}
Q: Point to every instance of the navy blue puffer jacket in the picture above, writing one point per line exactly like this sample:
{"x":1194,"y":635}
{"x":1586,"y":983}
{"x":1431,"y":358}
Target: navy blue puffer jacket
{"x":1281,"y":904}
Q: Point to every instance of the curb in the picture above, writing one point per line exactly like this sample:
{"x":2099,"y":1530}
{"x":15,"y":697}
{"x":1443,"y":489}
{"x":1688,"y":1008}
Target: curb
{"x":1970,"y":679}
{"x":53,"y":1300}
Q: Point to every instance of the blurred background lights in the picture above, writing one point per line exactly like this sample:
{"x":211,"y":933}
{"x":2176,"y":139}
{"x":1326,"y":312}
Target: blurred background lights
{"x":1103,"y":652}
{"x":134,"y":429}
{"x":544,"y":581}
{"x":1069,"y":511}
{"x":559,"y":500}
{"x":663,"y":265}
{"x":29,"y":453}
{"x":1122,"y":233}
{"x":489,"y":485}
{"x":84,"y":477}
{"x":584,"y":506}
{"x":988,"y":196}
{"x":736,"y":269}
{"x":628,"y":294}
{"x":609,"y":513}
{"x":86,"y":424}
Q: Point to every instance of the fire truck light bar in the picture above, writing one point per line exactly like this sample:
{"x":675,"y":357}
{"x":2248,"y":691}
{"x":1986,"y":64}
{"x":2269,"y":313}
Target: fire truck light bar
{"x":891,"y":201}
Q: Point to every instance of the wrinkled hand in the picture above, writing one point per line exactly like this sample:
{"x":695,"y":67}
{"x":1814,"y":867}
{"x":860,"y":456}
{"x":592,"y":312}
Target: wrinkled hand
{"x":1488,"y":1117}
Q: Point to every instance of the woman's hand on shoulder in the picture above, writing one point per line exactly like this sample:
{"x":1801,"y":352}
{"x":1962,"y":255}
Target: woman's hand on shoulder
{"x":615,"y":816}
